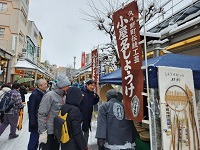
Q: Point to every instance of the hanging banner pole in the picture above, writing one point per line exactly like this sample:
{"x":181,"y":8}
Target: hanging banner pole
{"x":152,"y":139}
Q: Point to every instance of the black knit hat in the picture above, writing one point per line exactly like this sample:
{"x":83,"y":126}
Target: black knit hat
{"x":111,"y":94}
{"x":90,"y":82}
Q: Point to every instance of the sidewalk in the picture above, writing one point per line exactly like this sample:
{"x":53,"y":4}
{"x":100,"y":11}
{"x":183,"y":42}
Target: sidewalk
{"x":21,"y":142}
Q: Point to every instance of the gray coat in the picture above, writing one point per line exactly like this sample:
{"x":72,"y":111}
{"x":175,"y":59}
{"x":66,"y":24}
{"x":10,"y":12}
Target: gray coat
{"x":113,"y":127}
{"x":49,"y":108}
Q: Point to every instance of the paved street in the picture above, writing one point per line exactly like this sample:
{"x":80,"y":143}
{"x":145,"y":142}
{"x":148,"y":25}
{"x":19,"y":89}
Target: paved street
{"x":21,"y":142}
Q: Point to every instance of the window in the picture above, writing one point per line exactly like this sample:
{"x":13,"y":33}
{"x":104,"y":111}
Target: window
{"x":23,"y":17}
{"x":30,"y":48}
{"x":2,"y":32}
{"x":27,"y":2}
{"x":35,"y":35}
{"x":21,"y":38}
{"x":38,"y":52}
{"x":3,"y":7}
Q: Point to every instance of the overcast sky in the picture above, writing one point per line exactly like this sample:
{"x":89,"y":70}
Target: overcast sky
{"x":65,"y":34}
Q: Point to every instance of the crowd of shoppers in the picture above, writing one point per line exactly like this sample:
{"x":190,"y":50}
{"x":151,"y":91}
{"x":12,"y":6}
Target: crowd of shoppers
{"x":45,"y":102}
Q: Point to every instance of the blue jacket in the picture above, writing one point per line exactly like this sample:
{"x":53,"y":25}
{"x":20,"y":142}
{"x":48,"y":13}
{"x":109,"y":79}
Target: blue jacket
{"x":33,"y":106}
{"x":89,"y":99}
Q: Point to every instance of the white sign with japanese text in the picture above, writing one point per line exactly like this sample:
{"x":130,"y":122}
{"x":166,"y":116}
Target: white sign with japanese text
{"x":180,"y":129}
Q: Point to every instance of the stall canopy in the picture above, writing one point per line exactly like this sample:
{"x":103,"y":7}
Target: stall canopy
{"x":170,"y":60}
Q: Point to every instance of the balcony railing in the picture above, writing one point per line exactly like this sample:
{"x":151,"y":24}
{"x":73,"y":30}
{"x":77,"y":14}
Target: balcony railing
{"x":28,"y":56}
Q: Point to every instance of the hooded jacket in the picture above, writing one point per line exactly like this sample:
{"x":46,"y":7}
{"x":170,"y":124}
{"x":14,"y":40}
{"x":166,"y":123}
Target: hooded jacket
{"x":49,"y":108}
{"x":72,"y":103}
{"x":3,"y":91}
{"x":112,"y":126}
{"x":86,"y":107}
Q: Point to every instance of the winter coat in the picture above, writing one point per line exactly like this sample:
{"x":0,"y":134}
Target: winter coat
{"x":33,"y":106}
{"x":89,"y":99}
{"x":73,"y":99}
{"x":49,"y":108}
{"x":3,"y":91}
{"x":113,"y":127}
{"x":16,"y":97}
{"x":23,"y":91}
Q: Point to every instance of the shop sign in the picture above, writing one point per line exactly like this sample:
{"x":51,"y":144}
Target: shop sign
{"x":95,"y":70}
{"x":127,"y":34}
{"x":83,"y":59}
{"x":179,"y":121}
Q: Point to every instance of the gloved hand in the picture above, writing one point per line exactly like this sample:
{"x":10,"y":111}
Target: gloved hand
{"x":96,"y":95}
{"x":43,"y":137}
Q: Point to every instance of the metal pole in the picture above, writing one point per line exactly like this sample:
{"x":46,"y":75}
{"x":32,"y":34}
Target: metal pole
{"x":74,"y":62}
{"x":74,"y":68}
{"x":146,"y":72}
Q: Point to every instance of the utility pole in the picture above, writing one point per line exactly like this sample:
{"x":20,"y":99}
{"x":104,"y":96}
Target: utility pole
{"x":74,"y":68}
{"x":74,"y":62}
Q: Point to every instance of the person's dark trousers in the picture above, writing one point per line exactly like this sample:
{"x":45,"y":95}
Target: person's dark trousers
{"x":52,"y":143}
{"x":33,"y":141}
{"x":1,"y":117}
{"x":86,"y":136}
{"x":13,"y":121}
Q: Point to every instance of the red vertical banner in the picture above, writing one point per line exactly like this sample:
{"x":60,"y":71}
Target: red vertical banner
{"x":130,"y":52}
{"x":95,"y":70}
{"x":83,"y":59}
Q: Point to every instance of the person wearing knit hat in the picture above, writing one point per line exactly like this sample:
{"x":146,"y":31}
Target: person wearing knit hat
{"x":48,"y":109}
{"x":63,"y":81}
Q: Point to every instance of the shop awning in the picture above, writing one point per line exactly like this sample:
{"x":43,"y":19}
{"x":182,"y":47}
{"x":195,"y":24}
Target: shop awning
{"x":24,"y":64}
{"x":170,"y":60}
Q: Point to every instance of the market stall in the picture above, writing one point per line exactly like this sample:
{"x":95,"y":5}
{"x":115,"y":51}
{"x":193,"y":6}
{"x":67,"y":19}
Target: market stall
{"x":156,"y":121}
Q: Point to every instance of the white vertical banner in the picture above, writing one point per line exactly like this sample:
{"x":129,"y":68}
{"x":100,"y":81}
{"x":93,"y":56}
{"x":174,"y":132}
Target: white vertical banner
{"x":179,"y":122}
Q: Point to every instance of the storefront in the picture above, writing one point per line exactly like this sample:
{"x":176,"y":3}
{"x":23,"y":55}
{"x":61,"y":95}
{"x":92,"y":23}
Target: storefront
{"x":5,"y":66}
{"x":159,"y":126}
{"x":24,"y":68}
{"x":84,"y":74}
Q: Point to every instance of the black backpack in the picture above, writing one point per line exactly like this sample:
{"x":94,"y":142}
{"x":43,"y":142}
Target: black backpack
{"x":6,"y":102}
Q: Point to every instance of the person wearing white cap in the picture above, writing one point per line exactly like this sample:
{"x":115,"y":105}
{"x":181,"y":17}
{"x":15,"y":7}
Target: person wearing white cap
{"x":48,"y":109}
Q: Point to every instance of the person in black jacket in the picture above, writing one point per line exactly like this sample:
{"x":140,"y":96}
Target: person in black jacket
{"x":89,"y":99}
{"x":33,"y":106}
{"x":22,"y":91}
{"x":72,"y":104}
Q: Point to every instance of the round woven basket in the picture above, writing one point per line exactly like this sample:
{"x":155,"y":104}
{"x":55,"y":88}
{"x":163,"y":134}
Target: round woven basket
{"x":144,"y":136}
{"x":103,"y":91}
{"x":140,"y":129}
{"x":145,"y":124}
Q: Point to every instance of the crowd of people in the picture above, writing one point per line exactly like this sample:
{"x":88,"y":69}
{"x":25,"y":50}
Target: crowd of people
{"x":113,"y":130}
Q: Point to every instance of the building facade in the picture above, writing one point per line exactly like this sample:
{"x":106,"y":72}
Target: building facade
{"x":20,"y":43}
{"x":13,"y":23}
